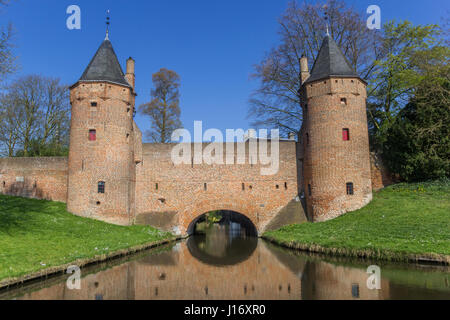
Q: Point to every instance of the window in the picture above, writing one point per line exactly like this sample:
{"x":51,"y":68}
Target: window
{"x":243,"y":186}
{"x":285,"y":186}
{"x":156,"y":186}
{"x":345,"y":134}
{"x":205,"y":187}
{"x":350,"y":190}
{"x":355,"y":290}
{"x":92,"y":135}
{"x":344,"y":101}
{"x":309,"y":190}
{"x":94,"y":104}
{"x":101,"y":187}
{"x":307,"y":138}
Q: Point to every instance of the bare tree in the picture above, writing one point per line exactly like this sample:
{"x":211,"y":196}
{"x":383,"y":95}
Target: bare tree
{"x":34,"y":113}
{"x":10,"y":118}
{"x":276,"y":103}
{"x":7,"y":59}
{"x":164,"y":109}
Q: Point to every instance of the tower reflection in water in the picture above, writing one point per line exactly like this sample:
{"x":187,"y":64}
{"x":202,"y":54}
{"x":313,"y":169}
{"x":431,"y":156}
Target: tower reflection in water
{"x":227,"y":263}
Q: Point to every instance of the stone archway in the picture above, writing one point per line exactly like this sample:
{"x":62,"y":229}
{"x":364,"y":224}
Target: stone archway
{"x":190,"y":216}
{"x":227,"y":215}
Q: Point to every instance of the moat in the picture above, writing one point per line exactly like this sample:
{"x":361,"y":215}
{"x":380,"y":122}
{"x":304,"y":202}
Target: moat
{"x":227,"y":262}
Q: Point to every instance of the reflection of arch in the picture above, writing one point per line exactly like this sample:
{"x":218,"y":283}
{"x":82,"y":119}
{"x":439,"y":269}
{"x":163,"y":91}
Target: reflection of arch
{"x":239,"y":251}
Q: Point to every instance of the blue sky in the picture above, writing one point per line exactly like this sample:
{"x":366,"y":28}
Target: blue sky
{"x":212,"y":45}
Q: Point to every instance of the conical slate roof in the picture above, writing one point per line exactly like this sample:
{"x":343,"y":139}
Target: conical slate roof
{"x":105,"y":66}
{"x":330,"y":62}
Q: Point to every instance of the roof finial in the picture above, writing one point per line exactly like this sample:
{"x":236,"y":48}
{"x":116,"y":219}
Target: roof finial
{"x":107,"y":25}
{"x":325,"y":8}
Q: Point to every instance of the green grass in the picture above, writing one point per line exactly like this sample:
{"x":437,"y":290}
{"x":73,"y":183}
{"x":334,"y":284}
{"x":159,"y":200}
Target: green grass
{"x":38,"y":234}
{"x":405,"y":219}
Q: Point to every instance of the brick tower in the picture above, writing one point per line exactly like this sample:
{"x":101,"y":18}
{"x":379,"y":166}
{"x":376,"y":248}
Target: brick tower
{"x":101,"y":180}
{"x":336,"y":163}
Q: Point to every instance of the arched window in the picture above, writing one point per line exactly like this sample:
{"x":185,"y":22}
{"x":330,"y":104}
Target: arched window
{"x":101,"y":187}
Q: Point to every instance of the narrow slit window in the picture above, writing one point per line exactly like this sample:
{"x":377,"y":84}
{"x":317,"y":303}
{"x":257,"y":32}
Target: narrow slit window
{"x":350,"y":189}
{"x":156,"y":186}
{"x":285,"y":186}
{"x":307,"y":138}
{"x":101,"y":187}
{"x":309,"y":190}
{"x":243,"y":187}
{"x":205,"y":187}
{"x":92,"y":135}
{"x":346,"y":134}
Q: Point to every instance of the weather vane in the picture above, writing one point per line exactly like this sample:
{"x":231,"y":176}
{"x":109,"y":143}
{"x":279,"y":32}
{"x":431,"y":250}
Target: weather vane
{"x":107,"y":24}
{"x":325,"y":8}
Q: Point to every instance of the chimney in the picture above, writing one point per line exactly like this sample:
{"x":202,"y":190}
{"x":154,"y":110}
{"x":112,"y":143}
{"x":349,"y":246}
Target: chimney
{"x":131,"y":78}
{"x":304,"y":71}
{"x":292,"y":136}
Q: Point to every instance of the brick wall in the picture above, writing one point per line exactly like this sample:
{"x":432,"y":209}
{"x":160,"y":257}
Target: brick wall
{"x":41,"y":178}
{"x":381,"y":177}
{"x":170,"y":195}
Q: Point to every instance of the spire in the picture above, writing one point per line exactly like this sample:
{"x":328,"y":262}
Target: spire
{"x":105,"y":66}
{"x":107,"y":25}
{"x":330,"y":62}
{"x":325,"y":7}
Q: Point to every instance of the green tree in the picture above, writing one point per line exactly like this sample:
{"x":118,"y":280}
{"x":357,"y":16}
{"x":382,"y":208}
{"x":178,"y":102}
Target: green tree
{"x":164,"y":108}
{"x":417,"y":145}
{"x":409,"y":52}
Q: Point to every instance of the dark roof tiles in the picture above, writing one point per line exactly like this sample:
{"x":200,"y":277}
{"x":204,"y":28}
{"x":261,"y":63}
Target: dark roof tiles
{"x":105,"y":66}
{"x":330,"y":62}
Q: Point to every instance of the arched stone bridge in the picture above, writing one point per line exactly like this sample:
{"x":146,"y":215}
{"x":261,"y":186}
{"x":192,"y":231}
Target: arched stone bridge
{"x":172,"y":197}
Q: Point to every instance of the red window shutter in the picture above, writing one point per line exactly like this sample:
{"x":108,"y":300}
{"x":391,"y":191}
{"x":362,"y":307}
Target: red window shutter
{"x":92,"y":135}
{"x":345,"y":134}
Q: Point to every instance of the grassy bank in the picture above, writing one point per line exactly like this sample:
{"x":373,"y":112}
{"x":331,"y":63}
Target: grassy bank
{"x":404,"y":222}
{"x":37,"y":234}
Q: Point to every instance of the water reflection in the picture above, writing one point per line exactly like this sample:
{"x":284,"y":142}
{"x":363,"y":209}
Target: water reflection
{"x":194,"y":269}
{"x":222,"y":244}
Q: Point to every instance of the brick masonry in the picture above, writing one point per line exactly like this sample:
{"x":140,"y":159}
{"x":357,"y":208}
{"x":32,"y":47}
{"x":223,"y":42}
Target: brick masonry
{"x":329,"y":163}
{"x":41,"y":178}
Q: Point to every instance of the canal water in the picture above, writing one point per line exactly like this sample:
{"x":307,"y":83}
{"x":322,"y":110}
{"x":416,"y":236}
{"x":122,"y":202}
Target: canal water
{"x":225,"y":262}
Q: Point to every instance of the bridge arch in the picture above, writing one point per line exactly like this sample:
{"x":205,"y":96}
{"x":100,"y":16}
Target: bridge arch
{"x":229,"y":215}
{"x":192,"y":215}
